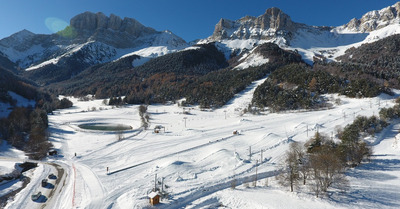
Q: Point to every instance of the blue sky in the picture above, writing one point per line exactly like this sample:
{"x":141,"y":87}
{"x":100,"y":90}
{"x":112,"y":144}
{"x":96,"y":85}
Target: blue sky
{"x":189,"y":19}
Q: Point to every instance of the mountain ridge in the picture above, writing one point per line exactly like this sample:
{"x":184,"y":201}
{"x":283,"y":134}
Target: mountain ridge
{"x":311,"y":41}
{"x":94,"y":38}
{"x":265,"y":26}
{"x":127,"y":35}
{"x":96,"y":21}
{"x":374,"y":20}
{"x":27,"y":49}
{"x":90,"y":39}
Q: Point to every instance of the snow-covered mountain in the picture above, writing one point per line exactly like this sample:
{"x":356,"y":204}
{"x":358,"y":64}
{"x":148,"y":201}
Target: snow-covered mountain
{"x":203,"y":157}
{"x":95,"y":37}
{"x":374,"y":20}
{"x":270,"y":25}
{"x":312,"y":42}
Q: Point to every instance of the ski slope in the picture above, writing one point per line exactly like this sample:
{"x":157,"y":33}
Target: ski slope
{"x":198,"y":156}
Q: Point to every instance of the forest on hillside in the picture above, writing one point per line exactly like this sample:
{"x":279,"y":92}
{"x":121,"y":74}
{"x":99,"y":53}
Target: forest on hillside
{"x":26,"y":126}
{"x":300,"y":86}
{"x":202,"y":76}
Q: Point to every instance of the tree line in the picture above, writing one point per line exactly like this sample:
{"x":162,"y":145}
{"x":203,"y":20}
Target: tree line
{"x":300,"y":86}
{"x":26,"y":127}
{"x":321,"y":163}
{"x":203,"y":76}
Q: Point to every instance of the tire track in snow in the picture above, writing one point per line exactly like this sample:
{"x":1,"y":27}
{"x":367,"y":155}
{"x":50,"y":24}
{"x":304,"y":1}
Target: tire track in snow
{"x":96,"y":188}
{"x":33,"y":186}
{"x":61,"y":178}
{"x":73,"y":192}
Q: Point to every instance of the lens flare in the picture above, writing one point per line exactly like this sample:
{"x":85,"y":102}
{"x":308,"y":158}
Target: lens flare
{"x":55,"y":24}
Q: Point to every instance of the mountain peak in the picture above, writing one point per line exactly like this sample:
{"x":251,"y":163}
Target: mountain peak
{"x":18,"y":38}
{"x":91,"y":22}
{"x":111,"y":30}
{"x":24,"y":32}
{"x":374,"y":20}
{"x":266,"y":26}
{"x":277,"y":19}
{"x":21,"y":35}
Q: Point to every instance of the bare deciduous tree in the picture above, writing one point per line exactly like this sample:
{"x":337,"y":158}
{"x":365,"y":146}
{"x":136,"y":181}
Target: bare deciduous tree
{"x":327,"y":170}
{"x":303,"y":161}
{"x":233,"y":183}
{"x":144,"y":117}
{"x":289,"y":175}
{"x":120,"y":133}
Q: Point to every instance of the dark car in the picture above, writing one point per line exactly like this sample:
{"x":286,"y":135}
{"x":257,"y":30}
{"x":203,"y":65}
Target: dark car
{"x":44,"y":182}
{"x":36,"y":196}
{"x":52,"y":176}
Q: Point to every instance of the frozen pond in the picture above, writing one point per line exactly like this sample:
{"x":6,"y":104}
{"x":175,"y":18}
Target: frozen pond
{"x":105,"y":126}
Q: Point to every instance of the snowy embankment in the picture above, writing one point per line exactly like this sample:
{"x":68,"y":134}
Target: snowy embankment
{"x":332,"y":44}
{"x":198,"y":156}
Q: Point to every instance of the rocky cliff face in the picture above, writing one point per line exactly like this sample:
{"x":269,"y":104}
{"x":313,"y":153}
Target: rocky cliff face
{"x":90,"y":22}
{"x":274,"y":23}
{"x":117,"y":32}
{"x":374,"y":20}
{"x":266,"y":26}
{"x":112,"y":33}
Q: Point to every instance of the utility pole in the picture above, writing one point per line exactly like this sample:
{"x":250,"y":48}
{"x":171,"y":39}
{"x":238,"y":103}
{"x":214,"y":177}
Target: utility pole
{"x":184,"y":118}
{"x":307,"y":130}
{"x":162,"y":184}
{"x":250,"y":152}
{"x":255,"y":180}
{"x":155,"y":183}
{"x":261,"y":156}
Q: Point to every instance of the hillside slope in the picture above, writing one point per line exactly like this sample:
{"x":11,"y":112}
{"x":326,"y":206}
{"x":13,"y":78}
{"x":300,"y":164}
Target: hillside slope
{"x":201,"y":75}
{"x":90,"y":39}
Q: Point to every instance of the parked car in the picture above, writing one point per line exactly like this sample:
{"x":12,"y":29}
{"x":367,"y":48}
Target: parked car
{"x":44,"y":182}
{"x":52,"y":176}
{"x":36,"y":196}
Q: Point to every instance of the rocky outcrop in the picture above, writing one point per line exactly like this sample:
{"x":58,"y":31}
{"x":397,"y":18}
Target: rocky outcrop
{"x":374,"y":20}
{"x":274,"y":21}
{"x":274,"y":18}
{"x":91,"y":38}
{"x":117,"y":32}
{"x":91,"y":22}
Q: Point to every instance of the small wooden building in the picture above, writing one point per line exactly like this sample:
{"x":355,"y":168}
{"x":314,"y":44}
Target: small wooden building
{"x":236,"y":132}
{"x":154,"y":198}
{"x":52,"y":152}
{"x":158,"y":129}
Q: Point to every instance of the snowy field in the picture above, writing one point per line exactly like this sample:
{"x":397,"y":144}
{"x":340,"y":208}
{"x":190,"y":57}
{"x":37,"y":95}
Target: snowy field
{"x":198,"y":156}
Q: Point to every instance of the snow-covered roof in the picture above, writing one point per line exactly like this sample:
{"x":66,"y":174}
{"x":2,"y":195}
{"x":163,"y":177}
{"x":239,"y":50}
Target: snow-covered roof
{"x":158,"y":127}
{"x":153,"y":194}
